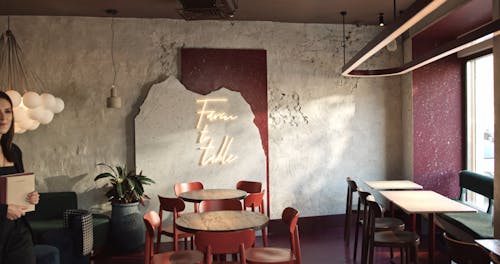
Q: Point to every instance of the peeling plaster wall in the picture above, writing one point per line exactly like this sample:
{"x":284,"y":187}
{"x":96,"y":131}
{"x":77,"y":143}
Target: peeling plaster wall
{"x":322,"y":127}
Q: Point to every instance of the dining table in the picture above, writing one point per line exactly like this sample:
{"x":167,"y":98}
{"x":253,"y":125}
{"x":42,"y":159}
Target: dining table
{"x":212,"y":194}
{"x":395,"y":185}
{"x":426,"y":202}
{"x":221,"y":221}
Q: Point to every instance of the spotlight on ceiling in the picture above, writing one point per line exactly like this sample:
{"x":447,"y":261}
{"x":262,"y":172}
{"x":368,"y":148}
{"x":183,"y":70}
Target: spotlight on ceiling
{"x":381,"y":19}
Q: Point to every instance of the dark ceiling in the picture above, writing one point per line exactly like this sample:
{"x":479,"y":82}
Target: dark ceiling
{"x":298,"y":11}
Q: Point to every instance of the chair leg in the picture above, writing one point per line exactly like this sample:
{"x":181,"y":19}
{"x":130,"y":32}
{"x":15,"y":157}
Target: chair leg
{"x":356,"y":234}
{"x":371,"y":251}
{"x":408,"y":254}
{"x":264,"y":237}
{"x":414,"y":254}
{"x":347,"y":221}
{"x":176,"y":243}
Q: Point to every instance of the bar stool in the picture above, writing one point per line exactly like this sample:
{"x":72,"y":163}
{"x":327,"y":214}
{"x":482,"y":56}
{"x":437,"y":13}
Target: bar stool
{"x":406,"y":241}
{"x":352,"y":187}
{"x":381,"y":223}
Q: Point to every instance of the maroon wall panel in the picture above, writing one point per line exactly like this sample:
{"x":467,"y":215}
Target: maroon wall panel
{"x":437,"y":121}
{"x":243,"y":71}
{"x":438,"y":105}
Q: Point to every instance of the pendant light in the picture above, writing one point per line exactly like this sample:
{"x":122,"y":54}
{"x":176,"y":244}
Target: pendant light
{"x":114,"y":101}
{"x":393,"y":45}
{"x":343,"y":14}
{"x":31,"y":109}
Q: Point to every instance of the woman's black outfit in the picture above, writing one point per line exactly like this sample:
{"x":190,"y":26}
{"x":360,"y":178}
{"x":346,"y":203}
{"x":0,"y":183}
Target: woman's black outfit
{"x":16,"y":244}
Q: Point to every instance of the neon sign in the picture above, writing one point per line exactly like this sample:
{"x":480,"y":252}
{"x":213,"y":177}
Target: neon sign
{"x":209,"y":155}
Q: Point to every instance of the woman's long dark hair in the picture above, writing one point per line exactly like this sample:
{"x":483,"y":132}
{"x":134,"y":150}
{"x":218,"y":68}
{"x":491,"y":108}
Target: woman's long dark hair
{"x":6,"y":140}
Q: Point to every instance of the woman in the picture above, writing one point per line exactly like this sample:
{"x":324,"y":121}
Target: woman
{"x":16,"y":244}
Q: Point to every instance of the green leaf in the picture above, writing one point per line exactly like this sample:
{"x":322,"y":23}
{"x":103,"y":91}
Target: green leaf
{"x":103,"y":175}
{"x":109,"y":167}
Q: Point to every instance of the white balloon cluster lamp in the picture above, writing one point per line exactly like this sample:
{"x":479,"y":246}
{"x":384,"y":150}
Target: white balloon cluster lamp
{"x":33,"y":109}
{"x":30,"y":109}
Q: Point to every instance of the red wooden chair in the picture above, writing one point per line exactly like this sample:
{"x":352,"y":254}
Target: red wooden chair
{"x":186,"y":187}
{"x":175,"y":206}
{"x":249,"y":186}
{"x":220,"y":205}
{"x":255,"y":201}
{"x":152,"y":222}
{"x":290,"y":216}
{"x":222,"y":243}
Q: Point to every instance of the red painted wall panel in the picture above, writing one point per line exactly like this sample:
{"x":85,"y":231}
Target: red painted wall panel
{"x":438,"y":105}
{"x":438,"y":129}
{"x":243,"y":71}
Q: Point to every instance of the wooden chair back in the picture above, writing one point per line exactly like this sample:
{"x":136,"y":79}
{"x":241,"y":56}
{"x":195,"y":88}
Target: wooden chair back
{"x":290,"y":216}
{"x":462,"y":252}
{"x":173,"y":205}
{"x":254,"y":201}
{"x":187,"y":186}
{"x":217,"y":243}
{"x":249,"y":186}
{"x":152,"y":222}
{"x":220,"y":205}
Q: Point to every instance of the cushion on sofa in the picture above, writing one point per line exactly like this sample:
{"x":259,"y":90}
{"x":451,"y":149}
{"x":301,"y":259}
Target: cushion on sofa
{"x":48,"y":216}
{"x":479,"y":224}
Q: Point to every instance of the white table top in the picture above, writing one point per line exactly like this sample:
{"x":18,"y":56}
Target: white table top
{"x":492,"y":245}
{"x":425,"y":202}
{"x":394,"y":185}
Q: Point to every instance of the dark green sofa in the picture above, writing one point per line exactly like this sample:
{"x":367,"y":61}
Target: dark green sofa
{"x":470,"y":226}
{"x":48,"y":216}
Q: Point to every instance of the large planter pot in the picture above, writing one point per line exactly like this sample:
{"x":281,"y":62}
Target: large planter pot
{"x":127,"y":228}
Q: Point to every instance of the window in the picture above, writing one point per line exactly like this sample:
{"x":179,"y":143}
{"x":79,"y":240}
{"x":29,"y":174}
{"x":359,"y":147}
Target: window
{"x":480,"y":121}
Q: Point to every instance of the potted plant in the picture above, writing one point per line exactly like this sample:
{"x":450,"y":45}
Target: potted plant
{"x":127,"y":191}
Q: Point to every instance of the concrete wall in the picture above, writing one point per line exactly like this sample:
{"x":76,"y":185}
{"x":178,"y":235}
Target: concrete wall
{"x":322,"y":127}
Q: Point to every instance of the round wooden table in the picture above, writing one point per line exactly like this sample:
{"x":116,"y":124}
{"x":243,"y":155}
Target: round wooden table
{"x":212,"y":194}
{"x":221,"y":221}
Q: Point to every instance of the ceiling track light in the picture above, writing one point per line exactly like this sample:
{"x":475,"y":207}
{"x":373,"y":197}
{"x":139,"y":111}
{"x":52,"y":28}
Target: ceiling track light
{"x":381,"y":19}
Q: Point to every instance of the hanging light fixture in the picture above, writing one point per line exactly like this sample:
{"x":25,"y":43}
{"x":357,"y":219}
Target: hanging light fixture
{"x":114,"y":101}
{"x":393,"y":45}
{"x":381,"y":19}
{"x":343,"y":14}
{"x":31,"y":109}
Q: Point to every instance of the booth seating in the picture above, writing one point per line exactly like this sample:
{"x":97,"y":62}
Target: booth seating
{"x":470,"y":226}
{"x":49,"y":216}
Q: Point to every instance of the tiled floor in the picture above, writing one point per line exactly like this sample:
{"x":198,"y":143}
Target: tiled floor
{"x":319,"y":245}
